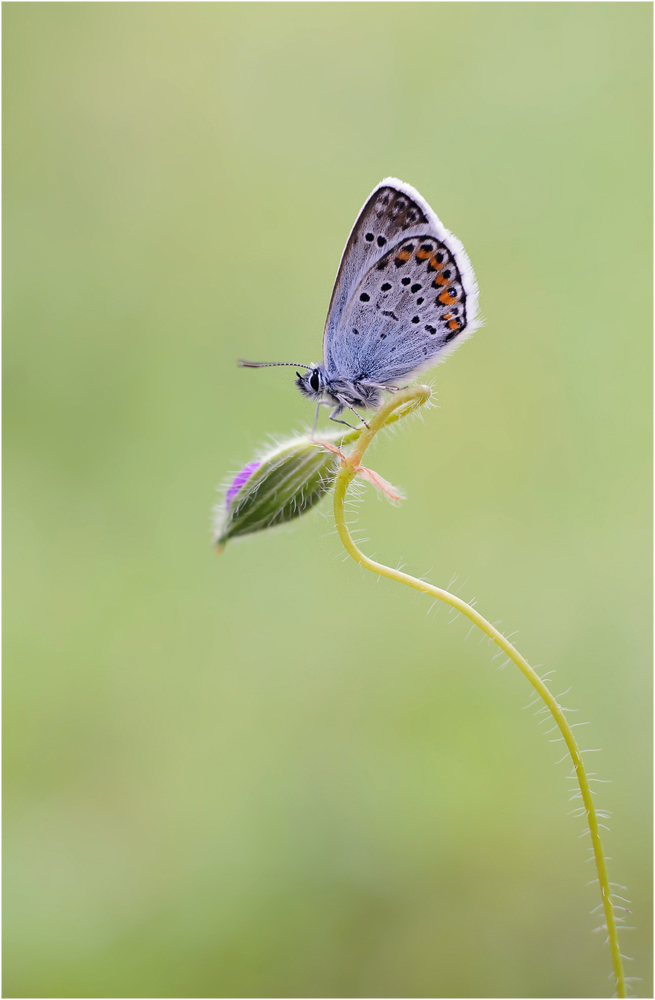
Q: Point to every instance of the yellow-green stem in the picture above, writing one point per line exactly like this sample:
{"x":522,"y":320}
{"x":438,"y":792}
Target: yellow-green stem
{"x":410,"y":399}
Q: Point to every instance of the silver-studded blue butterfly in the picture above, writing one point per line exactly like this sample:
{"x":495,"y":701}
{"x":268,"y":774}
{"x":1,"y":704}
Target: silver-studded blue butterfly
{"x":404,"y":298}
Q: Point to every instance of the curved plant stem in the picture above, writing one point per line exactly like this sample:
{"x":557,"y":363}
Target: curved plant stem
{"x":403,"y":402}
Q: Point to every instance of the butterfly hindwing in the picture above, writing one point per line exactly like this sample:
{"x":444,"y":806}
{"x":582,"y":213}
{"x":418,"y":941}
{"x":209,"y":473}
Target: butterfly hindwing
{"x":408,"y":308}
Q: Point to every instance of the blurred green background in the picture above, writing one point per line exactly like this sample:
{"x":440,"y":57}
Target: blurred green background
{"x":263,"y":774}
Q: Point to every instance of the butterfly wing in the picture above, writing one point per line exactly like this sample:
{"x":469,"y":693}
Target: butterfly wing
{"x":405,"y":292}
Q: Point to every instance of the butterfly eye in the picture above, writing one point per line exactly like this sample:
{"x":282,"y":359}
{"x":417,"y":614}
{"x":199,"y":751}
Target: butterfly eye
{"x":314,"y":380}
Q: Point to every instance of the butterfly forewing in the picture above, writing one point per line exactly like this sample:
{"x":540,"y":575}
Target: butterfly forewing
{"x":385,"y":218}
{"x":404,"y":294}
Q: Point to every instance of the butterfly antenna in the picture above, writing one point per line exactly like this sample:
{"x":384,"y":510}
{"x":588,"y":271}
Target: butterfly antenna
{"x":271,"y":364}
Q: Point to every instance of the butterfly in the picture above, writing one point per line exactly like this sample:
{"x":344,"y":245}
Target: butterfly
{"x":405,"y":296}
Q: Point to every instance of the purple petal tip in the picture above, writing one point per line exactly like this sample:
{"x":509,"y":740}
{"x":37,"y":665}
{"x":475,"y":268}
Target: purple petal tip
{"x":239,"y":480}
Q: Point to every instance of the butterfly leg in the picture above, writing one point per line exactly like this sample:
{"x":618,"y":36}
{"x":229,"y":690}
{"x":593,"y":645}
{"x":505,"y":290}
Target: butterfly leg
{"x":321,"y":402}
{"x":343,"y":403}
{"x":318,"y":410}
{"x":388,"y":388}
{"x":333,"y":416}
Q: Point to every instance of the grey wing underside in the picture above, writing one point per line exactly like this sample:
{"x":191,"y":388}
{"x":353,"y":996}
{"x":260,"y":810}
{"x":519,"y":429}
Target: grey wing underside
{"x":405,"y":292}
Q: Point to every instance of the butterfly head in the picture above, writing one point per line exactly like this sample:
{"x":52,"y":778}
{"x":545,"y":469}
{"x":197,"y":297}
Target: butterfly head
{"x":312,"y":384}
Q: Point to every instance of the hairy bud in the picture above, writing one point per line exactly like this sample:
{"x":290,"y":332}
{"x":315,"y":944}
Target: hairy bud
{"x":281,"y":484}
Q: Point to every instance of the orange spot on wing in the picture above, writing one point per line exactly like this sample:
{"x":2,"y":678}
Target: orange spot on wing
{"x":454,"y":324}
{"x":440,"y":280}
{"x":446,"y":298}
{"x":435,"y":265}
{"x":448,"y":316}
{"x":403,"y":255}
{"x":423,"y":254}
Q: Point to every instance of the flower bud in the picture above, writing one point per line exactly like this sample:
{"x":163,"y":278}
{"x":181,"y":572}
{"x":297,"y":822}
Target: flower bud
{"x":281,"y":484}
